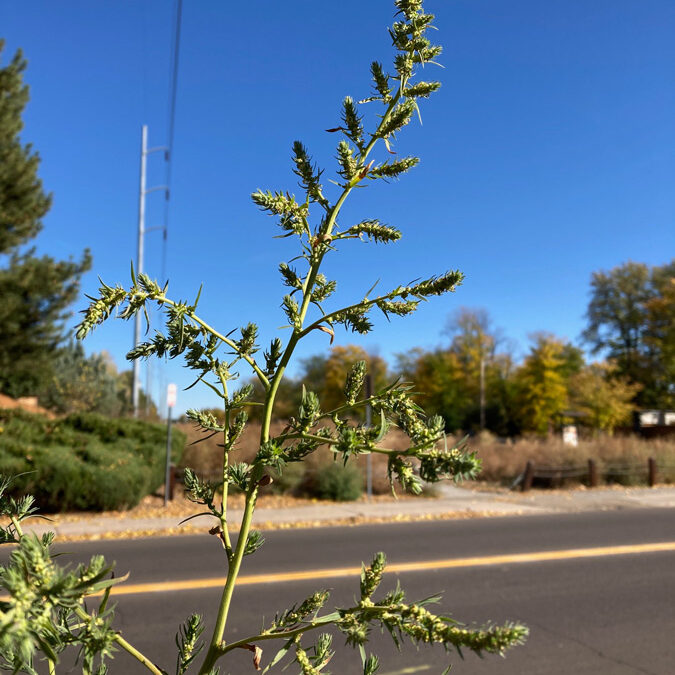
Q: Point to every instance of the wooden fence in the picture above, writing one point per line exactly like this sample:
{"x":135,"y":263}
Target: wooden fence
{"x":589,"y":472}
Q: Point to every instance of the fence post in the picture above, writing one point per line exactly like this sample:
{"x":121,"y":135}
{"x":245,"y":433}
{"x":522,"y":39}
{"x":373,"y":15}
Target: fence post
{"x":651,"y":471}
{"x":528,"y":477}
{"x":592,"y":473}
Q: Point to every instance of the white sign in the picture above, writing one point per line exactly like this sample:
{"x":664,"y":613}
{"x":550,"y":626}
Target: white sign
{"x":171,"y":395}
{"x":570,"y":436}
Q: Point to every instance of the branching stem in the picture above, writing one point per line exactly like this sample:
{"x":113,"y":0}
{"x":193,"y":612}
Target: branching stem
{"x":226,"y":466}
{"x":364,"y":304}
{"x":230,"y":343}
{"x":216,"y":647}
{"x":17,"y":526}
{"x":129,"y":648}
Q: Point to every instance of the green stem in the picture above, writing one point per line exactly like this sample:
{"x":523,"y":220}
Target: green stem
{"x":319,"y":622}
{"x":332,"y":441}
{"x":51,"y":666}
{"x":383,"y":451}
{"x":230,"y":343}
{"x":298,"y":332}
{"x":17,"y":526}
{"x":226,"y":483}
{"x":215,"y":649}
{"x":281,"y":635}
{"x":364,"y":304}
{"x":129,"y":648}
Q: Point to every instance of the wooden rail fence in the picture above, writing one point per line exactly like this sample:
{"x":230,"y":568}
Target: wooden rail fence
{"x":589,"y":471}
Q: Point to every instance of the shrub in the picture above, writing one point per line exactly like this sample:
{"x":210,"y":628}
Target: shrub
{"x":339,"y":482}
{"x":289,"y":479}
{"x":84,"y":461}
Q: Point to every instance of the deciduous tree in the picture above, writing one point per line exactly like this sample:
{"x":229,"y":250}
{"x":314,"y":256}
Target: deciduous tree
{"x":449,"y":379}
{"x":541,"y":384}
{"x":630,"y":318}
{"x":327,"y":375}
{"x":603,"y":396}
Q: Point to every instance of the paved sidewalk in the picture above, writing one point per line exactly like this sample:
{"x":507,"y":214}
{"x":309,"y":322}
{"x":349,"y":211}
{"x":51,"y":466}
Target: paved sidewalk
{"x":453,"y":502}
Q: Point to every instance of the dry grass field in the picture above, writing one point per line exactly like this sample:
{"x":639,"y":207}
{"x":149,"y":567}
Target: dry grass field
{"x":502,"y":460}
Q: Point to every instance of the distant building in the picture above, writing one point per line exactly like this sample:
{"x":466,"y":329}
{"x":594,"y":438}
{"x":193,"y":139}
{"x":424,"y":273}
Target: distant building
{"x":651,"y":423}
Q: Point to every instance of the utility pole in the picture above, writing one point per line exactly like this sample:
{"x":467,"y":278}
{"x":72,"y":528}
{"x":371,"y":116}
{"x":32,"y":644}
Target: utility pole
{"x":482,"y":392}
{"x":142,"y":192}
{"x":136,"y":387}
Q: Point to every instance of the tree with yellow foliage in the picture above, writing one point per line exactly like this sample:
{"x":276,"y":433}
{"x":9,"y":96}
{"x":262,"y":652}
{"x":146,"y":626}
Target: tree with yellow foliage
{"x":603,"y":396}
{"x":541,"y":384}
{"x":327,"y":375}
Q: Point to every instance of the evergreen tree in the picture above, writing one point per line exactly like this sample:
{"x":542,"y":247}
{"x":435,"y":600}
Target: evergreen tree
{"x":35,"y":291}
{"x":22,"y":200}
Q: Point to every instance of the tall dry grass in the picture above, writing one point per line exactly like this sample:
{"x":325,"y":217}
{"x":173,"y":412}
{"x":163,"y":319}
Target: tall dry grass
{"x":504,"y":461}
{"x":206,"y":456}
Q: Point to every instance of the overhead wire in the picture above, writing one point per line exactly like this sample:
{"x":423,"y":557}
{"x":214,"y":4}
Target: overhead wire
{"x":168,"y":156}
{"x":171,"y":125}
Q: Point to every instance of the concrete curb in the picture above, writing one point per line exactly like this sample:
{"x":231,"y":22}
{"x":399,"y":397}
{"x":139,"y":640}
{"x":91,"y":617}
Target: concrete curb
{"x":454,"y":502}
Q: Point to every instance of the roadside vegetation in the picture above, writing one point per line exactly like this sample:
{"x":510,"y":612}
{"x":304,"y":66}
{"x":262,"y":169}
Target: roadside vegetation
{"x":621,"y":459}
{"x":47,"y":608}
{"x":83,"y":462}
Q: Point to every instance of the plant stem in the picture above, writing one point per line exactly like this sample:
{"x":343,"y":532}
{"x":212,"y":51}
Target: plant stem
{"x":280,"y":635}
{"x":215,"y":648}
{"x":230,"y":343}
{"x":51,"y":666}
{"x":129,"y":648}
{"x":17,"y":526}
{"x":358,"y":305}
{"x":317,"y":622}
{"x":226,"y":465}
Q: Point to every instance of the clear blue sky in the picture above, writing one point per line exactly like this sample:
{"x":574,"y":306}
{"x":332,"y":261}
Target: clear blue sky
{"x":549,"y":152}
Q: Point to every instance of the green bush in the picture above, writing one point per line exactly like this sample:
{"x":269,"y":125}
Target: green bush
{"x":84,"y":461}
{"x":289,"y":479}
{"x":338,"y":482}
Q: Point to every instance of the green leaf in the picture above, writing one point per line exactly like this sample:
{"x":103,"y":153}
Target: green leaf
{"x":279,"y":655}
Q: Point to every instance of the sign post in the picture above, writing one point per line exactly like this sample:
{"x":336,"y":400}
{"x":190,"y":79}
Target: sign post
{"x":369,"y":421}
{"x":170,"y":403}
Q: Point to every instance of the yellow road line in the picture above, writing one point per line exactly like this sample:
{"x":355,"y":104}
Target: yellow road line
{"x":410,"y":670}
{"x":419,"y":566}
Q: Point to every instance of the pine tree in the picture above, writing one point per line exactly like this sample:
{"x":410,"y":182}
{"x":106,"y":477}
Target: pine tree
{"x":35,"y":291}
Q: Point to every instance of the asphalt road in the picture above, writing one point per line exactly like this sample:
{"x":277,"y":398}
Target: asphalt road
{"x":610,"y":614}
